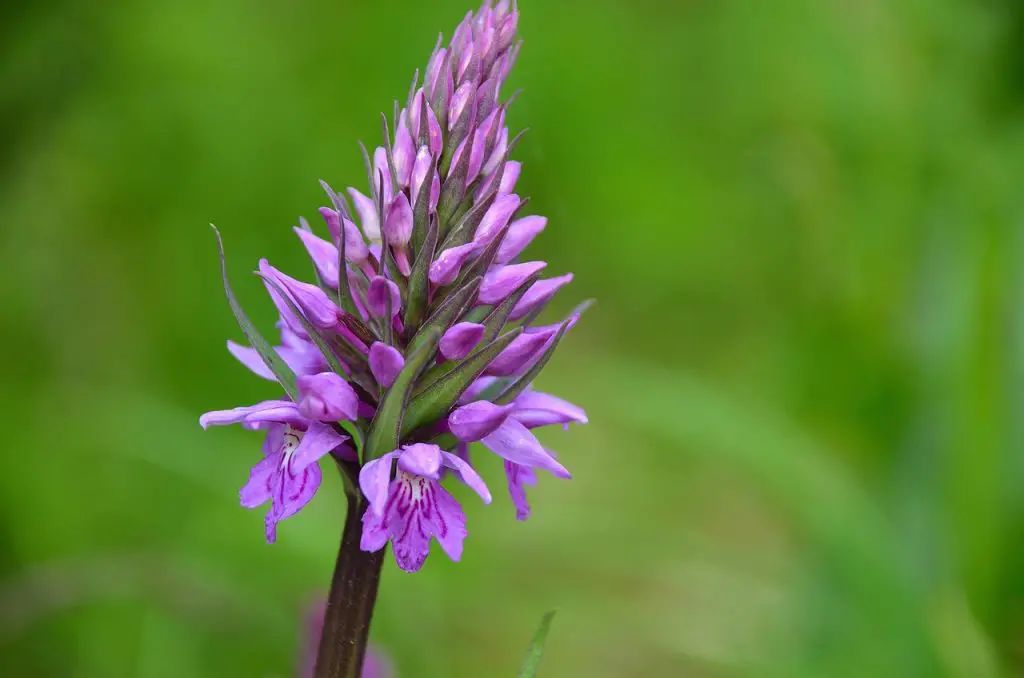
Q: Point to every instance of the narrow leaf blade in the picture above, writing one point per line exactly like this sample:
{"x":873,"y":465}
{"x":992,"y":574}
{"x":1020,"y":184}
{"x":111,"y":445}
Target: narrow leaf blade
{"x":274,"y":362}
{"x":540,"y":637}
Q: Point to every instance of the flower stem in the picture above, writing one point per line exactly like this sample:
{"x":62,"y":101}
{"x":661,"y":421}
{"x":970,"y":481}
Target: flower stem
{"x":350,"y":602}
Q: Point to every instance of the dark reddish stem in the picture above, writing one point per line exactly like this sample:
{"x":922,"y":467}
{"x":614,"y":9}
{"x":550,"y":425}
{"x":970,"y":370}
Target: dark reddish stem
{"x":350,"y":603}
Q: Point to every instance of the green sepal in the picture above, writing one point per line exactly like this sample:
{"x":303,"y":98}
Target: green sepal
{"x":540,"y":636}
{"x":463,"y":230}
{"x":387,"y":152}
{"x":452,"y":192}
{"x":447,"y":313}
{"x":421,"y":212}
{"x":437,"y":396}
{"x":274,"y":362}
{"x":519,"y":385}
{"x":388,"y":423}
{"x":419,"y":283}
{"x":344,"y":294}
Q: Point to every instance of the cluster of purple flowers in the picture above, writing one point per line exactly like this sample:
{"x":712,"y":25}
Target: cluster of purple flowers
{"x":418,"y":336}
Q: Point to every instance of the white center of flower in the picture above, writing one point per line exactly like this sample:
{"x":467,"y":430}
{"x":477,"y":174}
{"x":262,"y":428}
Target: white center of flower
{"x":289,"y":443}
{"x":417,"y":484}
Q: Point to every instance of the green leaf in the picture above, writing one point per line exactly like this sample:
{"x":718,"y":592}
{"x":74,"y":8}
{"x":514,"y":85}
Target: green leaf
{"x":416,"y":299}
{"x":271,"y":359}
{"x":435,"y":398}
{"x":388,"y":422}
{"x":540,"y":637}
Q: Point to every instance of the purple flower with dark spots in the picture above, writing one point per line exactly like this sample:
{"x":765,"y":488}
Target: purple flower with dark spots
{"x":413,"y":508}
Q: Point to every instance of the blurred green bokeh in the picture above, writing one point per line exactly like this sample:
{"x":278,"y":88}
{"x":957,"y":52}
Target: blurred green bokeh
{"x":805,"y":373}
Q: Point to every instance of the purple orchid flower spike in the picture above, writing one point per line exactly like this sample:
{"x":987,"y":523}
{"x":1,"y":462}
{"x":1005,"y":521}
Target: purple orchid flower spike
{"x":416,"y":335}
{"x":413,"y":507}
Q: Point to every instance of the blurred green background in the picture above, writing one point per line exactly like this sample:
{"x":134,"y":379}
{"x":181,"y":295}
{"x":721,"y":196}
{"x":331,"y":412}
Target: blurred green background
{"x":805,"y":373}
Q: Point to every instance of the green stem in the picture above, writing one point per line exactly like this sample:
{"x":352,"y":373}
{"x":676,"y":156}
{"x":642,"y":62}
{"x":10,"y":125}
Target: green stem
{"x":350,"y":603}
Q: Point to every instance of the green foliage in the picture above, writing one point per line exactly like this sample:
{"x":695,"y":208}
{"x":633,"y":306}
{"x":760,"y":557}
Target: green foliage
{"x":803,"y":377}
{"x":540,"y":637}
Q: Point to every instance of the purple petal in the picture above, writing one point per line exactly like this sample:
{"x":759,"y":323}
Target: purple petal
{"x":476,"y":155}
{"x":520,"y":234}
{"x":311,"y":300}
{"x":375,"y":532}
{"x":385,"y":363}
{"x":468,"y":475}
{"x":447,"y":523}
{"x":356,"y":249}
{"x":398,"y":223}
{"x":534,"y":409}
{"x":326,"y":397}
{"x":513,"y":442}
{"x":508,"y":177}
{"x":434,"y":139}
{"x":518,"y":476}
{"x":367,"y":211}
{"x":477,"y":419}
{"x":250,"y":357}
{"x":519,"y":354}
{"x":496,"y":216}
{"x":380,"y":170}
{"x":323,"y":254}
{"x":374,"y":480}
{"x":403,"y":154}
{"x":498,"y":152}
{"x":461,"y":97}
{"x":377,"y":297}
{"x":446,"y":267}
{"x":421,"y":459}
{"x":317,"y":441}
{"x":292,"y":491}
{"x":460,"y":339}
{"x":284,"y":408}
{"x":501,"y":282}
{"x":420,"y":170}
{"x":257,"y":490}
{"x":539,"y":293}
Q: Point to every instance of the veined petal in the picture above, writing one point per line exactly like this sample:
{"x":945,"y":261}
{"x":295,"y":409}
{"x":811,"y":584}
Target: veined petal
{"x":468,"y":475}
{"x":447,"y":523}
{"x":374,"y":480}
{"x":518,"y":476}
{"x":318,"y":440}
{"x":257,"y":490}
{"x":292,"y":491}
{"x":513,"y":442}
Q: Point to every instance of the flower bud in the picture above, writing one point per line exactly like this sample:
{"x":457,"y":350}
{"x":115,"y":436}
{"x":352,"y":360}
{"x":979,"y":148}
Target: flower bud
{"x":326,"y":397}
{"x":385,"y":363}
{"x":476,"y":420}
{"x":460,"y":339}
